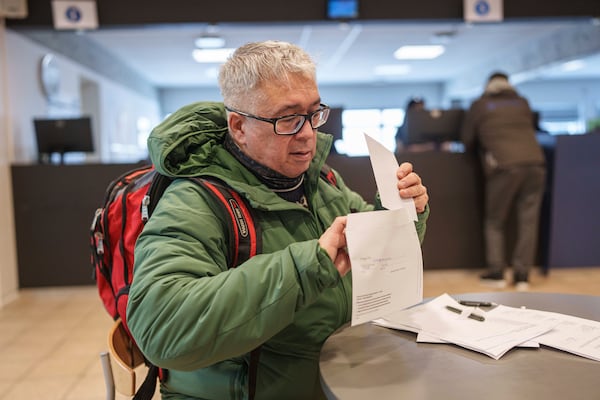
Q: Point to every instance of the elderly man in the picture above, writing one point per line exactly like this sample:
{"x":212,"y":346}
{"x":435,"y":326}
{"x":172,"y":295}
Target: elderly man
{"x":198,"y":319}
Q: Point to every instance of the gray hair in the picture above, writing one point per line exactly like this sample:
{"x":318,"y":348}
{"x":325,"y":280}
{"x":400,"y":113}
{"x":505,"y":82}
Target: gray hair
{"x":255,"y":64}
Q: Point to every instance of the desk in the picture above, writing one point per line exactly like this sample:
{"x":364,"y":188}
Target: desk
{"x":53,"y":208}
{"x":371,"y":362}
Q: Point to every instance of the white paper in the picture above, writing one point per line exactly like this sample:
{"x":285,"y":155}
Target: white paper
{"x":494,"y":336}
{"x":384,"y":165}
{"x":572,"y":334}
{"x":504,"y":327}
{"x":387,"y":265}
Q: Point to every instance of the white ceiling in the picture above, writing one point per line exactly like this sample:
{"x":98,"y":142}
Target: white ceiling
{"x":349,"y":53}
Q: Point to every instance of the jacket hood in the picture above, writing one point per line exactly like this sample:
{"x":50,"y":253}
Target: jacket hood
{"x":186,"y":141}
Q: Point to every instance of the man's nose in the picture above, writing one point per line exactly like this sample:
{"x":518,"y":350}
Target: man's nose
{"x":306,"y":129}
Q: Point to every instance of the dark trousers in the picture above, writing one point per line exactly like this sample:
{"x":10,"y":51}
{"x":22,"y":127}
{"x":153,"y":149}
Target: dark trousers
{"x":518,"y":188}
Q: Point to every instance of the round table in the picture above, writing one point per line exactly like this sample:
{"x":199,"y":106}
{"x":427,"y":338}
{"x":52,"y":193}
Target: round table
{"x":372,"y":362}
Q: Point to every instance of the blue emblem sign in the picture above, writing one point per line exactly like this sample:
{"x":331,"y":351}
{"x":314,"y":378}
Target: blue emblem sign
{"x":73,"y":14}
{"x":482,"y":7}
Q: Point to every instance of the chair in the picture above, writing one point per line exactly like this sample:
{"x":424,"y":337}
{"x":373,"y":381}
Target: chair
{"x":120,"y":361}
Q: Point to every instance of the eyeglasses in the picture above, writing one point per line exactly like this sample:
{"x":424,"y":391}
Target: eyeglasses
{"x":291,"y":124}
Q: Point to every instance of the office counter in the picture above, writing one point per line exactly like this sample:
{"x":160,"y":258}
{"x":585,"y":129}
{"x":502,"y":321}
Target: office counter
{"x":454,"y":229}
{"x":54,"y":205}
{"x":575,"y":220}
{"x":53,"y":208}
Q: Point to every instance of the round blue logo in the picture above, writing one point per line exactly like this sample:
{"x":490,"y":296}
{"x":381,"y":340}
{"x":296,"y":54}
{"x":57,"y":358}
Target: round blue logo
{"x":73,"y":14}
{"x":482,"y":7}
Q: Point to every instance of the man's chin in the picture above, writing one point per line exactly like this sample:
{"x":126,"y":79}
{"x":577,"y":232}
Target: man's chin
{"x":297,"y":169}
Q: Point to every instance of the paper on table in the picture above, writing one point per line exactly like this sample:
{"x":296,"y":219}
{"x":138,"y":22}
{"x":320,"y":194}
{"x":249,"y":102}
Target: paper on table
{"x":493,"y":337}
{"x":384,"y":165}
{"x":572,"y":334}
{"x":387,"y":265}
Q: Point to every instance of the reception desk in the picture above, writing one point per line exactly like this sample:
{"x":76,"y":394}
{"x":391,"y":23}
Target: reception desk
{"x":53,"y":208}
{"x":454,"y":229}
{"x":575,"y":220}
{"x":54,"y":205}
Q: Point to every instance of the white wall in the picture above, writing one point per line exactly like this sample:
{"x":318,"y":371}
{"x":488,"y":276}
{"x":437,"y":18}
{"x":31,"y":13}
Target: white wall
{"x":583,"y":95}
{"x":119,"y":107}
{"x":8,"y":263}
{"x":22,"y":99}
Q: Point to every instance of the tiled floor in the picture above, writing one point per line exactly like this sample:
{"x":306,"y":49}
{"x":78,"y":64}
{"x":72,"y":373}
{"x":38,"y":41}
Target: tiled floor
{"x":51,"y":338}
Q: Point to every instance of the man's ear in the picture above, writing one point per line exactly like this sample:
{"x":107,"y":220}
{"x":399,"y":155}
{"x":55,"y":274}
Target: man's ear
{"x":236,"y":127}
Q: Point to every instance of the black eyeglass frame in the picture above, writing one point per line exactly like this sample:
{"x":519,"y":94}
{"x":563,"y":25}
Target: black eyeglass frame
{"x":273,"y":121}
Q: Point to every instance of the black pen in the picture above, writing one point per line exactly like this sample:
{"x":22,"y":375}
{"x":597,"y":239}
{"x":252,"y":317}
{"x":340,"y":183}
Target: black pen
{"x":476,"y":317}
{"x":454,"y":309}
{"x":475,"y":303}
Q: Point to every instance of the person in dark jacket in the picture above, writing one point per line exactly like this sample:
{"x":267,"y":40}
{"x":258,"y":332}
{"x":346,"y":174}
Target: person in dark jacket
{"x":200,"y":320}
{"x":415,"y":103}
{"x":499,"y":126}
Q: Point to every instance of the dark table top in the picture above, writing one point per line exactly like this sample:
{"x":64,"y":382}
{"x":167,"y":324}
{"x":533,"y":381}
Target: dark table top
{"x":372,"y":362}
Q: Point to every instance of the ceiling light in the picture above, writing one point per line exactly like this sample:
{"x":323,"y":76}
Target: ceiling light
{"x":573,"y":65}
{"x":209,"y":41}
{"x":425,"y":52}
{"x":392,"y":70}
{"x":212,"y":55}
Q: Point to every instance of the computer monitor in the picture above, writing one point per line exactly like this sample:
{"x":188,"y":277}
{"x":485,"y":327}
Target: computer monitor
{"x":433,"y":125}
{"x":60,"y":136}
{"x":342,"y":9}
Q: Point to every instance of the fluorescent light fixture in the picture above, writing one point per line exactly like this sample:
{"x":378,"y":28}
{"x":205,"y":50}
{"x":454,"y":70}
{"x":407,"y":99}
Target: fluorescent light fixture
{"x":424,"y":52}
{"x":572,"y":65}
{"x":212,"y":55}
{"x":392,"y":70}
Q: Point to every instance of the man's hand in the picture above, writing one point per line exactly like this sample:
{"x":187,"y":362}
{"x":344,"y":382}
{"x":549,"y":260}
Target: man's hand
{"x":333,"y":241}
{"x":410,"y":185}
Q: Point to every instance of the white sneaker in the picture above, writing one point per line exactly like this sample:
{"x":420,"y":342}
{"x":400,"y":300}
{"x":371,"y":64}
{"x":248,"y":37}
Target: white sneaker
{"x":522,"y":286}
{"x":521,"y":281}
{"x":493,"y":279}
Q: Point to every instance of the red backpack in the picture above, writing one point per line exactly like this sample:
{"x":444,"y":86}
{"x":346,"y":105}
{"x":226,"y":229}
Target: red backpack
{"x":128,"y":203}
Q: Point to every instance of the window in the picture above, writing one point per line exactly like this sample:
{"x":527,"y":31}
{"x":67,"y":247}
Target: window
{"x":560,"y":121}
{"x":381,"y":124}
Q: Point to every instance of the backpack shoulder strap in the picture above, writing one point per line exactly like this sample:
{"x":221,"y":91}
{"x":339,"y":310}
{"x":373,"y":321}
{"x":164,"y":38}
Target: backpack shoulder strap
{"x":157,"y":187}
{"x":328,"y":175}
{"x":247,"y":239}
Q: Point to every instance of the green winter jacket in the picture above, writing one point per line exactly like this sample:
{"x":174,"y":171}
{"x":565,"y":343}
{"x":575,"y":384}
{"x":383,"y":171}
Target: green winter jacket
{"x":195,"y":317}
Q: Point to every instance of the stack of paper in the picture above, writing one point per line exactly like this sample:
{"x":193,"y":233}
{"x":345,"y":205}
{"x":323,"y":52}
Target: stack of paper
{"x":494,"y":332}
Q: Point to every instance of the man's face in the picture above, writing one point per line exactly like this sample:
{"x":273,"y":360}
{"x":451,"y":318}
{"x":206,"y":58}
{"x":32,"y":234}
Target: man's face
{"x":290,"y":155}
